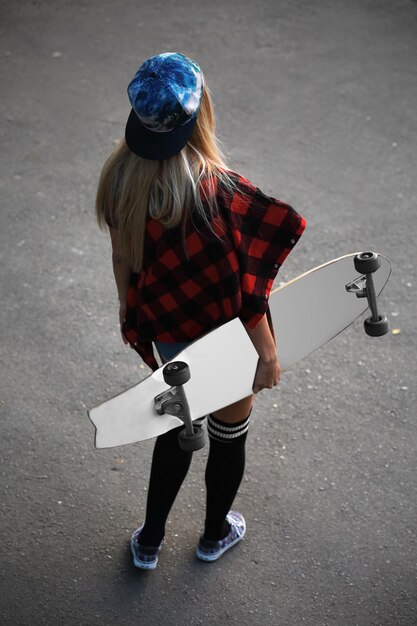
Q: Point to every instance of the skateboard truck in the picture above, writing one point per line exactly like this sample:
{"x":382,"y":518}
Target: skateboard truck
{"x":174,"y":402}
{"x":366,"y":263}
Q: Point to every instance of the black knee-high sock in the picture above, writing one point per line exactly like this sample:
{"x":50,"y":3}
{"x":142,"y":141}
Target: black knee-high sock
{"x":224,"y":472}
{"x":170,"y":465}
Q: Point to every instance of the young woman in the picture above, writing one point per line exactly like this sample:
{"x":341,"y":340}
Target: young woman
{"x":194,"y":246}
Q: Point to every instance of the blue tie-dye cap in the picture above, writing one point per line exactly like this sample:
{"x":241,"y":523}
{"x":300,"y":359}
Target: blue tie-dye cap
{"x":165,"y":95}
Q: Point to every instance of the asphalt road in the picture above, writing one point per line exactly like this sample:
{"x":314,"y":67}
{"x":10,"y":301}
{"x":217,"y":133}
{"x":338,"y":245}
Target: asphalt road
{"x":316,"y":103}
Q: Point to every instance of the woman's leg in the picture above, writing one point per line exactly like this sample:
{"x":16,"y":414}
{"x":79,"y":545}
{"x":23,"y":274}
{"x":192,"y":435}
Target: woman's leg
{"x":170,"y":465}
{"x":227,"y":430}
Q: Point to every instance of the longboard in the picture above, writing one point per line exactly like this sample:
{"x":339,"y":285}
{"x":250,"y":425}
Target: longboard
{"x":306,"y":312}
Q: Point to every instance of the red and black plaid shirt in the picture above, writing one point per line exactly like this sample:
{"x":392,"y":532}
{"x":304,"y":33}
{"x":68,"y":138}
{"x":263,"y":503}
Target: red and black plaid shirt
{"x":175,"y":299}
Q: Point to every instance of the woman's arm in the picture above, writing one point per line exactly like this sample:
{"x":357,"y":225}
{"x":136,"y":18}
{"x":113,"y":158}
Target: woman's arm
{"x":262,"y":340}
{"x":268,"y":371}
{"x":122,"y":271}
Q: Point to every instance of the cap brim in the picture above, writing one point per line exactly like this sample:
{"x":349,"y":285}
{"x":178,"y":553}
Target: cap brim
{"x":152,"y":145}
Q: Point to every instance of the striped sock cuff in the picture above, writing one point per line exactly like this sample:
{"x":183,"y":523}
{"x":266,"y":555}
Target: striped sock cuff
{"x":226,"y":432}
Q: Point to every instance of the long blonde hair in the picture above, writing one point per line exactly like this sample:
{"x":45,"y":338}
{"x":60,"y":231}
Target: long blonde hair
{"x":169,"y":190}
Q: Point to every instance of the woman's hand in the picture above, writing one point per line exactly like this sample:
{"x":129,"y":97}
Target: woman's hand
{"x":122,"y":315}
{"x":268,"y":374}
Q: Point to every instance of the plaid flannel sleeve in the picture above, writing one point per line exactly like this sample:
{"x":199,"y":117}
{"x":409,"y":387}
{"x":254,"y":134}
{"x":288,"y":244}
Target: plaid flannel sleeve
{"x":264,"y":231}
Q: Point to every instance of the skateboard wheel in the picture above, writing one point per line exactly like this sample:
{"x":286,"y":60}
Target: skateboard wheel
{"x":191,"y":443}
{"x":376,"y":328}
{"x":367,"y":262}
{"x":176,"y":373}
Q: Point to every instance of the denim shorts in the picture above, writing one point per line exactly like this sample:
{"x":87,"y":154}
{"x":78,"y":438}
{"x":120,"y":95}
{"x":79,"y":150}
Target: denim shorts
{"x":168,"y":351}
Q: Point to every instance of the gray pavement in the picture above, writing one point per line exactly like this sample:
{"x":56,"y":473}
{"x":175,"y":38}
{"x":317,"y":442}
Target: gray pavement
{"x":316,"y":102}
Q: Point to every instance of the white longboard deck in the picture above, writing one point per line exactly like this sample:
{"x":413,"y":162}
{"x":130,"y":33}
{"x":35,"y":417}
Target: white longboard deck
{"x":306,"y":312}
{"x":131,"y":416}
